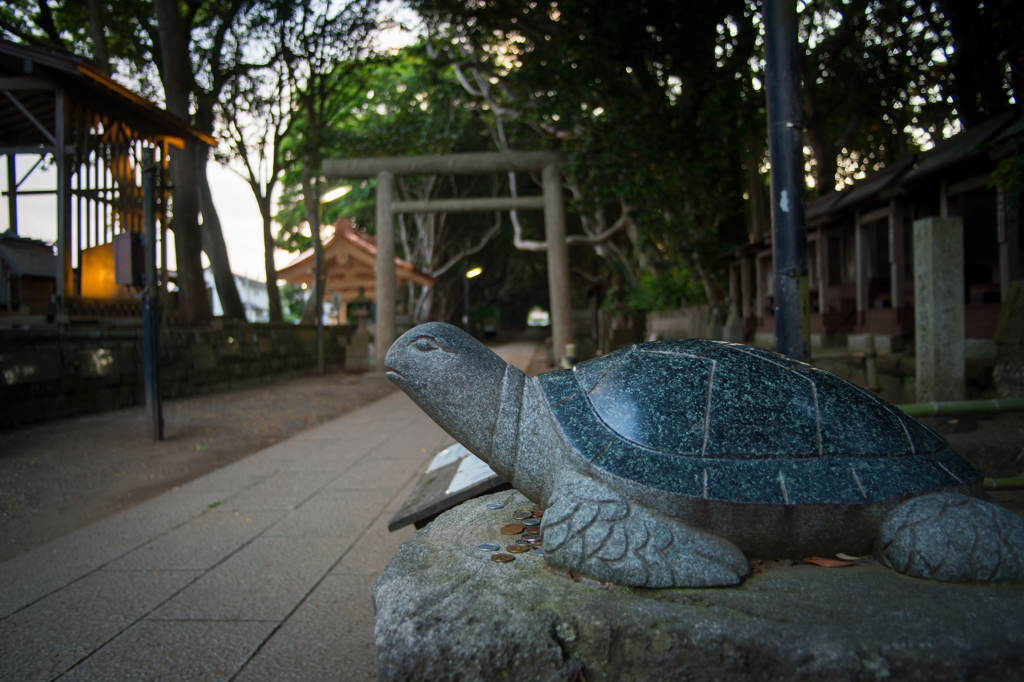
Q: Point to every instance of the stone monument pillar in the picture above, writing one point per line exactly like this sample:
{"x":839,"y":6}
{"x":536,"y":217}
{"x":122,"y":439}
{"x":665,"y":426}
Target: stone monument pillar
{"x":939,"y":309}
{"x":357,"y":354}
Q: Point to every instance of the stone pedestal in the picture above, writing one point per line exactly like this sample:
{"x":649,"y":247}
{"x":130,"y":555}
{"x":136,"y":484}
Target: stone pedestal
{"x":445,"y":611}
{"x":939,"y":309}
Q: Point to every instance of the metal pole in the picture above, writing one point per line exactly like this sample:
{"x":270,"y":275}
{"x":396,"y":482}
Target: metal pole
{"x":12,"y":196}
{"x":789,"y":231}
{"x":318,"y":285}
{"x":150,"y":330}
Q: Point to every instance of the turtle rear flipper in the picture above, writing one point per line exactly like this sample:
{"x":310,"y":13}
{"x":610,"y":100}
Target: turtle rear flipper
{"x":953,"y":538}
{"x":591,"y":530}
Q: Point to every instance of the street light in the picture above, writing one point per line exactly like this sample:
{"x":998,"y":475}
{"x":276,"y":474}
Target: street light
{"x":318,"y":261}
{"x":470,"y":274}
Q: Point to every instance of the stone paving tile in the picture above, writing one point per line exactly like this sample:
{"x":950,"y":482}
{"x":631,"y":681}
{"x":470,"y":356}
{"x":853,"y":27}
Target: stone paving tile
{"x":229,"y":479}
{"x":200,"y":543}
{"x":53,"y":634}
{"x":32,"y":575}
{"x":329,"y":637}
{"x":339,"y":450}
{"x":189,"y":651}
{"x":391,"y":408}
{"x":263,"y":581}
{"x":281,"y":491}
{"x":374,"y":550}
{"x":333,"y":513}
{"x":378,"y":473}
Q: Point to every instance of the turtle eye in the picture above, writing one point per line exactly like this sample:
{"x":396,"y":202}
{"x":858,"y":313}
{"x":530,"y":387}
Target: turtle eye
{"x":425,"y":344}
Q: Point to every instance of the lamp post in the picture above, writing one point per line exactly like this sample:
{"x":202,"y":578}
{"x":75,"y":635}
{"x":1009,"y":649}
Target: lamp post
{"x":470,"y":274}
{"x":318,"y":264}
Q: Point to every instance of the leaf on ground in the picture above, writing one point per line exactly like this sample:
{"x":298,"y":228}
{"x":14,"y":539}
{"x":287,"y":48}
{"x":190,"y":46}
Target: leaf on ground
{"x":214,"y":505}
{"x":202,"y":448}
{"x":826,"y":562}
{"x":847,"y":557}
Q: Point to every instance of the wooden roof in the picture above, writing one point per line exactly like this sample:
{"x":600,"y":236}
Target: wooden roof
{"x":349,"y":259}
{"x":32,"y":74}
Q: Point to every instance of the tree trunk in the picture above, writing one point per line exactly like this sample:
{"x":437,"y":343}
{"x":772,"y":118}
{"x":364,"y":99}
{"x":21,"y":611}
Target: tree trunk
{"x":194,"y":306}
{"x":311,"y":202}
{"x":273,"y":294}
{"x":215,"y":248}
{"x":100,"y":56}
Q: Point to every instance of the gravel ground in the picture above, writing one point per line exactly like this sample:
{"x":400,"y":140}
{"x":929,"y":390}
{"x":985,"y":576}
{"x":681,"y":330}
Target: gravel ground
{"x":63,"y":475}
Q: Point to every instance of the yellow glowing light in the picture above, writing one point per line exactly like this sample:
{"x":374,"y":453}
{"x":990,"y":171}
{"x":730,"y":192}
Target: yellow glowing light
{"x":474,"y":272}
{"x":335,"y":194}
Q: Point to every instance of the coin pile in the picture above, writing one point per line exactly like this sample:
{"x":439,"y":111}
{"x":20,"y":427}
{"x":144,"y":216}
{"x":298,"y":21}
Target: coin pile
{"x":526,"y":524}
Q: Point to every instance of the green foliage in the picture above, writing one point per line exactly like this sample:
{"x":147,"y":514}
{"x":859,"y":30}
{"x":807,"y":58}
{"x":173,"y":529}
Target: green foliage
{"x":293,"y":298}
{"x":665,"y":291}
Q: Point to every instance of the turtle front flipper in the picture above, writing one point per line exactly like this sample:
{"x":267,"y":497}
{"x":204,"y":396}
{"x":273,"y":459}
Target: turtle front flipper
{"x":953,"y":538}
{"x":591,"y":530}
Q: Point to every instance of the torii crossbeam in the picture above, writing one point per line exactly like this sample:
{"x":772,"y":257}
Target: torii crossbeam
{"x":386,"y":168}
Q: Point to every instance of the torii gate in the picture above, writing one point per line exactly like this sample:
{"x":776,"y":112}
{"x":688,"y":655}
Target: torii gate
{"x":551,"y":202}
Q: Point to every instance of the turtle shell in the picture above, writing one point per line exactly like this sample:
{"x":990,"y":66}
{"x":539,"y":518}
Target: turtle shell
{"x":731,"y":422}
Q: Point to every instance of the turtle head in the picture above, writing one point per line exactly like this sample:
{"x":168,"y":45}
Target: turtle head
{"x":453,"y":378}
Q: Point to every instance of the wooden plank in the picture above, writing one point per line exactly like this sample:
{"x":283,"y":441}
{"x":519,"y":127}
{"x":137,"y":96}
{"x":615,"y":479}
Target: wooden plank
{"x":430,"y":497}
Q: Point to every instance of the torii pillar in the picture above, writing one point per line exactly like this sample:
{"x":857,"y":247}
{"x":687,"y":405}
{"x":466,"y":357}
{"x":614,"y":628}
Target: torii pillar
{"x":552,"y":202}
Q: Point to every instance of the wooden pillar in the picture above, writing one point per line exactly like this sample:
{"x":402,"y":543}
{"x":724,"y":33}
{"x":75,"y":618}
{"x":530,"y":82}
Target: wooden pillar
{"x":821,"y":255}
{"x":734,"y":328}
{"x":862,"y":272}
{"x":1009,"y":243}
{"x":386,"y":323}
{"x":939,"y":309}
{"x":896,"y":254}
{"x":759,"y":297}
{"x":745,"y":287}
{"x":558,"y":261}
{"x":65,"y":276}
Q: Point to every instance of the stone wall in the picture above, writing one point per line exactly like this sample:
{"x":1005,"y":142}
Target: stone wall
{"x":51,"y":374}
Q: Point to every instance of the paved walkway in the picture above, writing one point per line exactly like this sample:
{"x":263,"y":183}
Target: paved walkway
{"x":258,"y":571}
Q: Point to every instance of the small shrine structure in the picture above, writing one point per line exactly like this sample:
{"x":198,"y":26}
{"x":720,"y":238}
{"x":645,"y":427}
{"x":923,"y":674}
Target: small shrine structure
{"x":350,"y":259}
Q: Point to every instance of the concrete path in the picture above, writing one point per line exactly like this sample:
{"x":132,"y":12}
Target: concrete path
{"x":258,"y":571}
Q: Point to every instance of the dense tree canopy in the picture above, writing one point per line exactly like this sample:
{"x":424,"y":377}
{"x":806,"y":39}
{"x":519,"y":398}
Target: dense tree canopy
{"x":659,"y":105}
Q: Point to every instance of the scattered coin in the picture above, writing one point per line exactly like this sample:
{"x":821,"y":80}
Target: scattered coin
{"x":512,"y":529}
{"x":537,"y":507}
{"x":539,"y":552}
{"x":538,"y":513}
{"x":531,"y":531}
{"x":502,"y":558}
{"x":489,"y":547}
{"x":535,"y":544}
{"x":522,"y":514}
{"x":522,"y":541}
{"x":531,"y":522}
{"x":517,"y":549}
{"x":495,"y":505}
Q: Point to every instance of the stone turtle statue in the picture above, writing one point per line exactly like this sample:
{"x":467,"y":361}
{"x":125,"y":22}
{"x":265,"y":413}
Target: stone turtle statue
{"x":661,"y":464}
